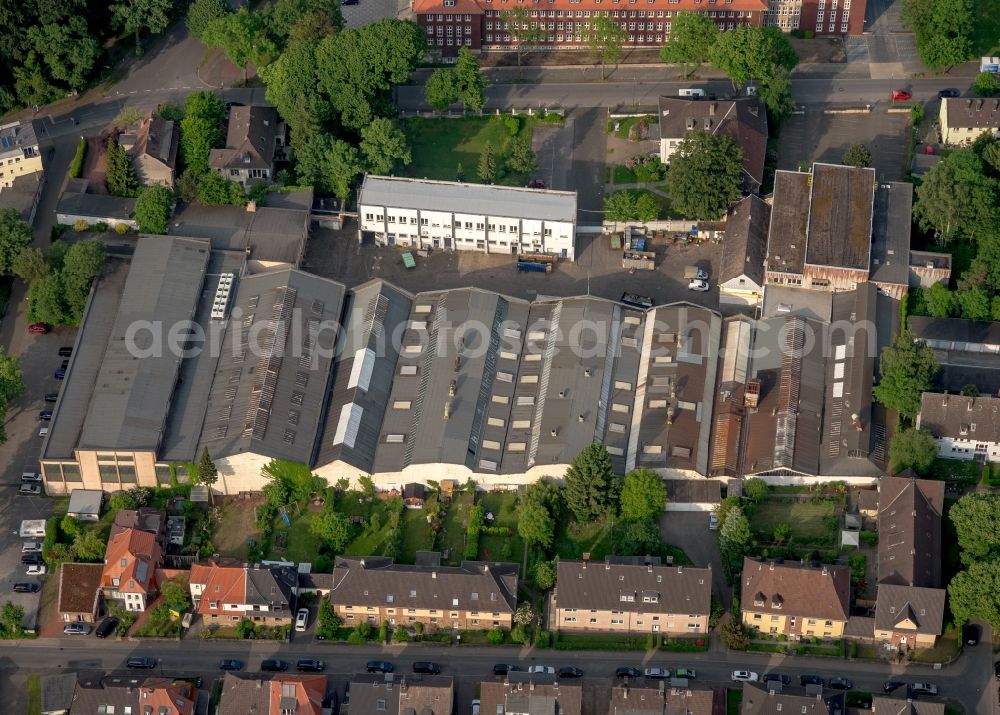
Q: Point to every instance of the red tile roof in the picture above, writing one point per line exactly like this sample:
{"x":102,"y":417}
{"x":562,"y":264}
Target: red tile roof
{"x":131,"y":557}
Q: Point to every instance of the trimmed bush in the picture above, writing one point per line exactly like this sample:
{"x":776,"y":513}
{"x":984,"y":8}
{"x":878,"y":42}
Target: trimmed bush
{"x":76,"y":165}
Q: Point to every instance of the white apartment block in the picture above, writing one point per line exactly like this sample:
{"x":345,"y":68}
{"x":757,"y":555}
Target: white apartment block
{"x":451,"y":215}
{"x":963,"y":427}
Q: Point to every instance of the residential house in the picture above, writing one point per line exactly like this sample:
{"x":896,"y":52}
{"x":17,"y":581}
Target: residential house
{"x":279,"y":694}
{"x":474,"y":596}
{"x":399,"y":211}
{"x":57,"y":693}
{"x":909,"y":605}
{"x":742,"y":119}
{"x":662,"y":700}
{"x":631,"y":595}
{"x":963,"y":427}
{"x":757,"y":701}
{"x":523,"y":693}
{"x":23,"y":195}
{"x":254,"y":140}
{"x":79,"y":599}
{"x":898,"y":706}
{"x":966,"y":350}
{"x":378,"y":694}
{"x":153,"y":148}
{"x":795,"y":599}
{"x":144,"y":519}
{"x":964,"y":119}
{"x":130,"y":564}
{"x":19,"y":152}
{"x":227,"y":592}
{"x":741,"y":269}
{"x":136,"y":695}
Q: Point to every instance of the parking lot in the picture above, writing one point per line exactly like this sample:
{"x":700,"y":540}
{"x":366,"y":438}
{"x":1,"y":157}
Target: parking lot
{"x":597,"y":270}
{"x":689,"y":530}
{"x":814,"y":136}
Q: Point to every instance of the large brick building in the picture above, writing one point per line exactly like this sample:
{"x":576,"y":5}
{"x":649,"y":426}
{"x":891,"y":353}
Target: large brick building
{"x":481,"y":24}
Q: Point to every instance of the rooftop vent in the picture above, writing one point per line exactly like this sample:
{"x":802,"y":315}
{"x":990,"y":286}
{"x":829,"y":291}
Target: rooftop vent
{"x":223,"y":293}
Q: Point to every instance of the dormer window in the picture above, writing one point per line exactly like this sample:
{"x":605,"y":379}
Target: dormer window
{"x":777,"y":601}
{"x":759,"y":599}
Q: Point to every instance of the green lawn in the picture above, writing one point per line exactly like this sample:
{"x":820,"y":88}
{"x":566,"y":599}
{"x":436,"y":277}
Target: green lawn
{"x":416,"y":535}
{"x":439,"y":146}
{"x":573,"y":539}
{"x":734,"y":699}
{"x":369,"y":541}
{"x":501,"y":505}
{"x":808,"y":520}
{"x":959,"y":470}
{"x":625,"y":124}
{"x":300,"y":544}
{"x":621,"y":174}
{"x":34,"y":694}
{"x":452,"y":539}
{"x":986,"y":29}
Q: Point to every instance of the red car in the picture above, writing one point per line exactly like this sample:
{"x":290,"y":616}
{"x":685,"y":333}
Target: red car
{"x":900,"y":94}
{"x":38,"y":328}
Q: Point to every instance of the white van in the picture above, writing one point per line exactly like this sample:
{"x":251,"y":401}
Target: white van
{"x":691,"y":92}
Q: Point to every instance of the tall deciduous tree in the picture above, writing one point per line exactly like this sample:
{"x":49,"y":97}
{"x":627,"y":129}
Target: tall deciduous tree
{"x":292,"y":87}
{"x":67,"y":49}
{"x":30,"y":265}
{"x":646,"y":207}
{"x":242,"y":36}
{"x":200,"y":130}
{"x":15,"y":236}
{"x":524,"y":31}
{"x":692,"y":36}
{"x":471,"y":82}
{"x":643,"y":495}
{"x":977,"y":525}
{"x":755,"y":489}
{"x":383,"y":145}
{"x":606,"y":39}
{"x":534,"y":524}
{"x":857,"y":155}
{"x":520,"y":156}
{"x":636,"y":538}
{"x":82,"y":263}
{"x":201,"y":13}
{"x":705,"y":176}
{"x":735,"y":536}
{"x":333,"y":528}
{"x":749,"y":52}
{"x":619,"y":206}
{"x":776,"y":93}
{"x":138,"y":15}
{"x":441,"y":89}
{"x":290,"y":18}
{"x":957,"y":198}
{"x":46,"y":303}
{"x":943,"y":30}
{"x":912,"y":449}
{"x":975,"y":593}
{"x":152,"y":209}
{"x":986,"y":84}
{"x":907,"y":369}
{"x":329,"y":164}
{"x":591,"y":485}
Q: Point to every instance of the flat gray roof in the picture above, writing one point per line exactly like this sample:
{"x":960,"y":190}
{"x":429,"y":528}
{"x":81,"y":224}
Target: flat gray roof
{"x":484,"y":199}
{"x":840,"y":216}
{"x":97,"y":206}
{"x":891,"y":233}
{"x":128,"y":408}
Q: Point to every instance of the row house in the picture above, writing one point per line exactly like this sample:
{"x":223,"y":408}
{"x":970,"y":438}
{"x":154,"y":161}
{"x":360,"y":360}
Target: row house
{"x":228,"y":592}
{"x":963,"y":427}
{"x":794,"y":599}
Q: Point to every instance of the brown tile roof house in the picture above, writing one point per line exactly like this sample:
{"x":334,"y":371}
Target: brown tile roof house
{"x":79,"y":591}
{"x":130,"y":563}
{"x":425,"y":592}
{"x":960,"y":424}
{"x":660,"y":701}
{"x":795,"y":589}
{"x":743,"y":120}
{"x":375,"y":694}
{"x":277,"y":695}
{"x":253,"y":135}
{"x":910,"y":608}
{"x":529,"y":694}
{"x":153,"y":147}
{"x":639,"y":594}
{"x":762,"y":702}
{"x":895,"y":706}
{"x":233,"y":591}
{"x":909,"y":525}
{"x":140,"y":696}
{"x":744,"y":247}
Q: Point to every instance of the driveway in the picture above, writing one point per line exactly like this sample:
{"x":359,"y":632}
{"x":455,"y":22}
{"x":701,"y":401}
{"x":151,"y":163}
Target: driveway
{"x":689,"y":531}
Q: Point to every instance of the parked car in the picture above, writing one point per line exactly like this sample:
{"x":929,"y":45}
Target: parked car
{"x":811,"y":680}
{"x":137,"y":662}
{"x":744,"y":676}
{"x":713,"y":521}
{"x":475,"y":706}
{"x":504,"y":668}
{"x":783,"y":679}
{"x":350,"y":2}
{"x":426,"y":667}
{"x":310,"y":666}
{"x":627,"y":671}
{"x":890,"y":685}
{"x":32,"y":490}
{"x":273,"y":665}
{"x":900,"y":95}
{"x":699,"y":285}
{"x":657,"y":673}
{"x":107,"y":627}
{"x":25,"y":587}
{"x":302,"y":619}
{"x":924,"y":688}
{"x":65,"y":364}
{"x":536,"y":184}
{"x":230,"y":664}
{"x":76,"y":629}
{"x":30,"y":547}
{"x":547,"y":669}
{"x":688,"y":673}
{"x":52,"y":397}
{"x":347,"y":693}
{"x":971,"y":634}
{"x":36,"y":570}
{"x":65,"y":351}
{"x":950,"y":92}
{"x":841,"y":684}
{"x":60,"y":374}
{"x":43,"y":431}
{"x":33,"y":477}
{"x":33,"y":557}
{"x":45,"y":415}
{"x":40,"y":328}
{"x":996,"y":666}
{"x":379,"y":666}
{"x":570,"y":672}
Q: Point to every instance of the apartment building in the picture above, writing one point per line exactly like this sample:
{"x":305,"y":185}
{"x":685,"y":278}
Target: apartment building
{"x":19,"y":153}
{"x":963,"y":427}
{"x":521,"y":693}
{"x":136,"y":695}
{"x":389,"y":694}
{"x":278,"y":694}
{"x":474,"y":596}
{"x":631,"y":595}
{"x":450,"y":215}
{"x":964,"y":119}
{"x":794,"y":599}
{"x":228,"y":592}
